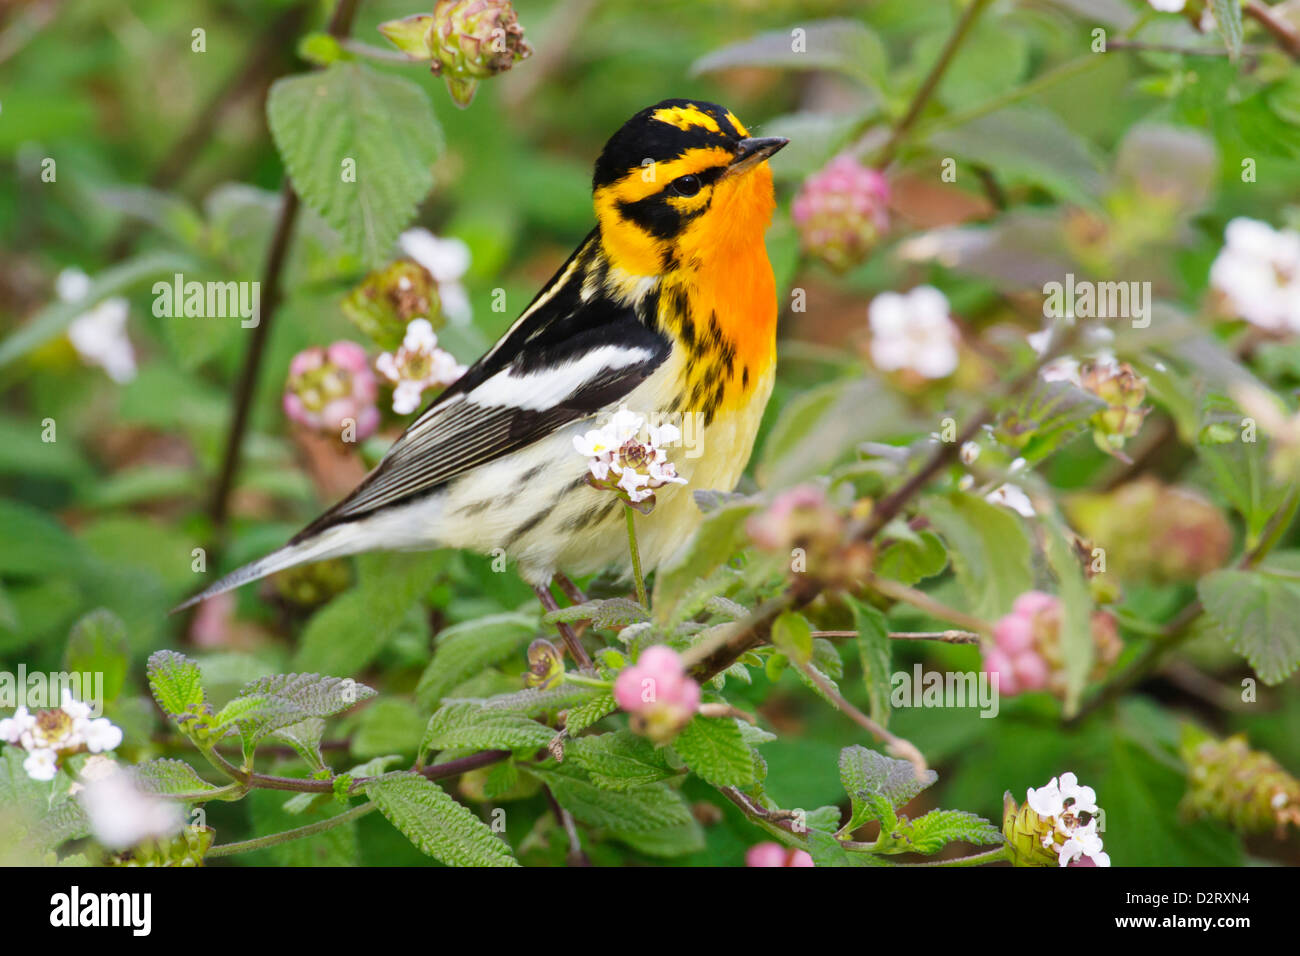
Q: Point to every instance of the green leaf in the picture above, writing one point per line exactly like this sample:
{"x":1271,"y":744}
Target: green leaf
{"x":815,"y":137}
{"x":876,"y":656}
{"x":176,"y":685}
{"x":653,"y":807}
{"x":665,"y":842}
{"x":304,"y":737}
{"x":346,"y":634}
{"x":97,"y":645}
{"x":912,"y":559}
{"x":792,"y":635}
{"x":931,"y":832}
{"x":1027,"y":144}
{"x":467,"y":724}
{"x":715,"y":751}
{"x":168,"y":777}
{"x":35,"y":544}
{"x":255,"y":716}
{"x":876,"y":784}
{"x":315,"y":695}
{"x":437,"y":824}
{"x":989,"y":549}
{"x":462,"y":650}
{"x":620,"y":760}
{"x":54,"y":319}
{"x":1227,"y":16}
{"x":1045,"y":418}
{"x":584,"y":715}
{"x":349,"y":115}
{"x":844,"y":46}
{"x":1076,"y":610}
{"x":718,"y":536}
{"x":1256,"y":613}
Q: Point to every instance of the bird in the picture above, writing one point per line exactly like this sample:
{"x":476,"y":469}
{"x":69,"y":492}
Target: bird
{"x":667,"y":307}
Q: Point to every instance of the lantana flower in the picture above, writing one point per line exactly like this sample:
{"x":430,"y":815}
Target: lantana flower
{"x":99,"y":334}
{"x":1056,"y":825}
{"x":657,"y":693}
{"x":1026,"y":649}
{"x":913,"y":332}
{"x":121,"y":815}
{"x":329,"y":386}
{"x":50,"y":735}
{"x":417,"y":365}
{"x":841,"y":211}
{"x":627,"y":456}
{"x":1257,"y":273}
{"x":447,"y":260}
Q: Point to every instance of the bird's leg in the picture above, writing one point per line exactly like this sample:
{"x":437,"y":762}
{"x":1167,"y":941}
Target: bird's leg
{"x":571,"y":590}
{"x":576,"y":650}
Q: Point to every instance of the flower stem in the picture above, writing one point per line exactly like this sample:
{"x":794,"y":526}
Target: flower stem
{"x":641,"y":597}
{"x":994,"y":855}
{"x":273,"y":839}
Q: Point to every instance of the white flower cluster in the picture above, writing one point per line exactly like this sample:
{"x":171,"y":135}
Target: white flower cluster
{"x":1065,"y":803}
{"x":50,"y":734}
{"x":99,"y":335}
{"x":1258,"y":274}
{"x":418,"y":364}
{"x":120,"y":814}
{"x":913,"y":331}
{"x":628,"y":455}
{"x":447,"y":260}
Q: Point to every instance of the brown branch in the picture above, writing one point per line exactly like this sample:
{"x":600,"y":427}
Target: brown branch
{"x":947,"y":637}
{"x":931,"y":83}
{"x":339,"y":27}
{"x":1285,"y":34}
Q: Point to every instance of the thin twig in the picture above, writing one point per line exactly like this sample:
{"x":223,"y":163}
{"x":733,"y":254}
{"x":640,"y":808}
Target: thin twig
{"x":931,"y":83}
{"x":947,"y":637}
{"x":930,"y":605}
{"x":274,"y":839}
{"x":1285,"y":34}
{"x":897,"y":745}
{"x":339,"y":27}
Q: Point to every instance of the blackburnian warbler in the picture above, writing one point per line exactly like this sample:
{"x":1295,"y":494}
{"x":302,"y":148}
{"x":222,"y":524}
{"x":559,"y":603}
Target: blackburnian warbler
{"x":667,"y":309}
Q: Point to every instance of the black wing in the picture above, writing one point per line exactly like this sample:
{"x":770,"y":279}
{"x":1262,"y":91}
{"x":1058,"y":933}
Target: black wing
{"x":564,"y":359}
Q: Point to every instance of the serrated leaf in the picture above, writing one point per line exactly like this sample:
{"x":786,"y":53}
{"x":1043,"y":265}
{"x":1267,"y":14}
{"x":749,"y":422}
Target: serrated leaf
{"x":652,"y":807}
{"x":533,"y":702}
{"x":1227,"y":17}
{"x":584,"y":715}
{"x":876,"y":784}
{"x":315,"y":695}
{"x":989,"y":549}
{"x":666,"y":841}
{"x":381,"y":125}
{"x":1256,"y":613}
{"x":716,"y":751}
{"x":462,"y":650}
{"x":619,"y":761}
{"x":254,"y":716}
{"x":1045,"y":417}
{"x":435,"y":823}
{"x":931,"y":832}
{"x":875,"y":654}
{"x":176,"y":684}
{"x":469,"y":725}
{"x":168,"y":777}
{"x":304,"y":737}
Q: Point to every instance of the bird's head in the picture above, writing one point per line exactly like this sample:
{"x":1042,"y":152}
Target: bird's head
{"x":680,"y":183}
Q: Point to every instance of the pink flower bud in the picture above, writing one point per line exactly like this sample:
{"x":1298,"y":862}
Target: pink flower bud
{"x":1032,"y":672}
{"x":997,"y":661}
{"x":329,"y":388}
{"x":1014,"y":633}
{"x":841,"y":211}
{"x":657,"y":693}
{"x":765,"y":854}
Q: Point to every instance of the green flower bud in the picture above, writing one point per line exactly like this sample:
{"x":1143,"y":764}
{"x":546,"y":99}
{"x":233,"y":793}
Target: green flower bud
{"x":1230,"y":782}
{"x":1026,"y":834}
{"x":310,"y":585}
{"x":464,"y":40}
{"x":389,"y":298}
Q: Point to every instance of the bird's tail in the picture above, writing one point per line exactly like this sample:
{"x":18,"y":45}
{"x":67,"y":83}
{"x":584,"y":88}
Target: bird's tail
{"x":332,"y":543}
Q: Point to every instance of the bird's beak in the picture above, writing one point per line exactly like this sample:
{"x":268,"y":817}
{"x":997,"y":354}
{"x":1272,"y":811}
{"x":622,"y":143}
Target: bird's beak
{"x":751,"y":152}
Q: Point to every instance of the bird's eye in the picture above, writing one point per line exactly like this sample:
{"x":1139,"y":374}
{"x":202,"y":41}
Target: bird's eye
{"x":685,"y":185}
